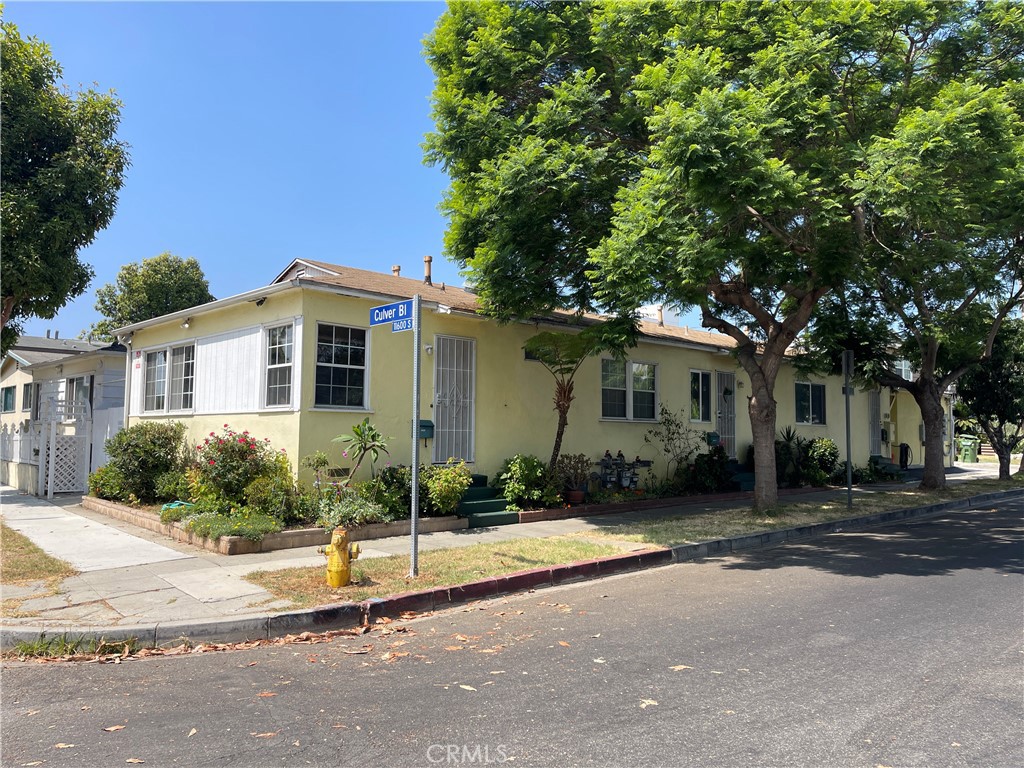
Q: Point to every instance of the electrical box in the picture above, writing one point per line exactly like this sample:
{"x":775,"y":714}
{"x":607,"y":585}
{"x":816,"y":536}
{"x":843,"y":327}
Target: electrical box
{"x":426,"y":429}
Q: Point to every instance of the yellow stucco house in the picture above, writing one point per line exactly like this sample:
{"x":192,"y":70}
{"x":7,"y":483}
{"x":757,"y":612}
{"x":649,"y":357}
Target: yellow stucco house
{"x":60,"y":399}
{"x":298,"y":362}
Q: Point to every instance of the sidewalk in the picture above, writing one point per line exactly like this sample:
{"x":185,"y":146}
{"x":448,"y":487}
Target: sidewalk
{"x":132,"y":578}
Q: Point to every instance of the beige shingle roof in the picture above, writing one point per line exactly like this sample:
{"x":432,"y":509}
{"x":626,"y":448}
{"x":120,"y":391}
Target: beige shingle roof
{"x":390,"y":286}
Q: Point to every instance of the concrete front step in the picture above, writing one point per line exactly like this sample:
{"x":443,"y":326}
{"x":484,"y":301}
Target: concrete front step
{"x":487,"y":519}
{"x":483,"y":506}
{"x":479,"y":493}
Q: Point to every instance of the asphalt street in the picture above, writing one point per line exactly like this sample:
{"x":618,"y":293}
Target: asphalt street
{"x":901,"y":646}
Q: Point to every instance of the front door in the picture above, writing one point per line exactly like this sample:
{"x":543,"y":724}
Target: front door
{"x":726,"y":426}
{"x":875,"y":423}
{"x":454,"y":398}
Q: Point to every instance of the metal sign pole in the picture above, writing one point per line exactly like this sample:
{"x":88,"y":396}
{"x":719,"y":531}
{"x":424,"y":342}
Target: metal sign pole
{"x":414,"y":566}
{"x":847,"y":372}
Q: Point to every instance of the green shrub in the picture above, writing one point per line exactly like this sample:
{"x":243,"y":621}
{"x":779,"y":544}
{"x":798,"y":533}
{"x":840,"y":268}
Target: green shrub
{"x":446,"y":485}
{"x":823,"y":453}
{"x":172,"y":486}
{"x":813,"y":475}
{"x":229,"y":462}
{"x":274,"y":494}
{"x":107,"y":482}
{"x":710,"y":472}
{"x":348,"y":509}
{"x":241,"y":522}
{"x":145,"y":451}
{"x":524,"y":481}
{"x":392,"y":489}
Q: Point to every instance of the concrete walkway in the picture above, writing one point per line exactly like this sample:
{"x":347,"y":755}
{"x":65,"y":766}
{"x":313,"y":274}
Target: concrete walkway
{"x":131,"y":577}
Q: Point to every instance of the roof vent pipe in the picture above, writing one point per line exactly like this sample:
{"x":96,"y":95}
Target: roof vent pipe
{"x":426,"y":270}
{"x":47,"y":333}
{"x":661,"y":315}
{"x":396,"y":270}
{"x":56,"y":334}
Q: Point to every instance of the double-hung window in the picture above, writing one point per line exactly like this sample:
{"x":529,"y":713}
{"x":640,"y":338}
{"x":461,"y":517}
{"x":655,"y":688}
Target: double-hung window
{"x":26,"y":396}
{"x":628,"y":390}
{"x":700,"y":396}
{"x":810,"y":403}
{"x":8,"y":395}
{"x":340,"y":367}
{"x":170,"y":379}
{"x":76,"y":390}
{"x":279,"y":366}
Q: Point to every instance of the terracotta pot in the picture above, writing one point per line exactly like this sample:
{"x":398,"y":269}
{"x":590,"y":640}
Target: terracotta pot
{"x":575,"y":496}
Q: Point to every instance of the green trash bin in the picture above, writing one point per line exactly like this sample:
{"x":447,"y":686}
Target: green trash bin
{"x":969,"y":449}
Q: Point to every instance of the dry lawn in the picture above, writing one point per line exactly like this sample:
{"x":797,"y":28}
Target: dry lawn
{"x":22,"y":564}
{"x":383,"y":576}
{"x":380,"y":577}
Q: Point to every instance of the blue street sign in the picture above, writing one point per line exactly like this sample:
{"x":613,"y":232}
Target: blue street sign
{"x":398,"y":314}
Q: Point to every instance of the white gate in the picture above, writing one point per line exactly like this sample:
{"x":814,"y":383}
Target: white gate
{"x":65,"y":444}
{"x":454,"y":397}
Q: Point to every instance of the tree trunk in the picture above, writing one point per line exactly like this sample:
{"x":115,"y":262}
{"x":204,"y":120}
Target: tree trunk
{"x":929,"y":400}
{"x":1003,"y":453}
{"x":1021,"y":468}
{"x":762,"y":409}
{"x":563,"y":421}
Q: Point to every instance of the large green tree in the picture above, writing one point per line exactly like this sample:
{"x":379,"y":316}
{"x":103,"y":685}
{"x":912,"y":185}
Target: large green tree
{"x":993,"y":392}
{"x":148,"y":289}
{"x":713,"y":155}
{"x":61,"y":167}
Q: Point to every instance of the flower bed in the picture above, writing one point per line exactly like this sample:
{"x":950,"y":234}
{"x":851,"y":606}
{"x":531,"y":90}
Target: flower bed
{"x":237,"y":545}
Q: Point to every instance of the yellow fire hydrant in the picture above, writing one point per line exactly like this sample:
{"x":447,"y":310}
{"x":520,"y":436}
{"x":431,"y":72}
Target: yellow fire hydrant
{"x":340,"y":555}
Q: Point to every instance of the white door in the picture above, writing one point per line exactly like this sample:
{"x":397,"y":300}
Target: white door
{"x":726,"y":426}
{"x":454,"y":398}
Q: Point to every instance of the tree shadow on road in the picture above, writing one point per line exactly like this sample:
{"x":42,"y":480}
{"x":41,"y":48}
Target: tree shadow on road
{"x":981,"y":539}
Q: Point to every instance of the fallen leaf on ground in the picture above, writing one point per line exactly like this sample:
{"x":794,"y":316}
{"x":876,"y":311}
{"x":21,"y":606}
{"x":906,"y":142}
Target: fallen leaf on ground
{"x":453,"y":647}
{"x":679,"y":667}
{"x":62,"y":745}
{"x":564,"y":644}
{"x":266,"y":694}
{"x":192,"y":733}
{"x":645,"y":703}
{"x":114,"y":728}
{"x":267,"y":735}
{"x":467,"y":687}
{"x":599,"y":661}
{"x":34,"y":762}
{"x":134,"y":760}
{"x":354,"y":651}
{"x":33,"y":712}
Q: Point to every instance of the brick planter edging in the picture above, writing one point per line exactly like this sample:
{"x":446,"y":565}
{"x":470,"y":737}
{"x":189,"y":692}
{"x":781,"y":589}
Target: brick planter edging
{"x":343,"y":615}
{"x":238,"y":545}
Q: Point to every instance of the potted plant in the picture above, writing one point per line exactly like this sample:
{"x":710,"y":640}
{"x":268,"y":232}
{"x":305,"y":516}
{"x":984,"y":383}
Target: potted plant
{"x":573,"y":469}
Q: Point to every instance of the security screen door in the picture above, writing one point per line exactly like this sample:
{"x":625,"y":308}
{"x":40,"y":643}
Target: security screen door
{"x":454,"y":398}
{"x":726,"y":426}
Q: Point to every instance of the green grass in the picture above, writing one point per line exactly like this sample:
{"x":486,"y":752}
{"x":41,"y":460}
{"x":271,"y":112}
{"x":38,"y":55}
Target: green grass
{"x":383,"y":576}
{"x":22,"y":563}
{"x":66,"y":645}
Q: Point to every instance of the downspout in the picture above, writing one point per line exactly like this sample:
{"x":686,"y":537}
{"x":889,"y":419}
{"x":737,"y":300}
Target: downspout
{"x":127,"y":341}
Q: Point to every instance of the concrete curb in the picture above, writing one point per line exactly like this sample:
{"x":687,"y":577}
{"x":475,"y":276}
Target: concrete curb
{"x":345,"y":615}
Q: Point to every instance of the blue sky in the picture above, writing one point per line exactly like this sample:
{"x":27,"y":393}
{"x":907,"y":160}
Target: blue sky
{"x":259,"y":132}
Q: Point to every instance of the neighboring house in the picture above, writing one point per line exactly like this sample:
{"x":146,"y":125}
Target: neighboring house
{"x":298,"y":362}
{"x":61,"y":399}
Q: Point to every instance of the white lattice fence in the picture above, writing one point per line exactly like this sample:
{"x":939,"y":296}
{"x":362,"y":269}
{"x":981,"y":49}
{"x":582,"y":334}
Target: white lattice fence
{"x":67,"y":476}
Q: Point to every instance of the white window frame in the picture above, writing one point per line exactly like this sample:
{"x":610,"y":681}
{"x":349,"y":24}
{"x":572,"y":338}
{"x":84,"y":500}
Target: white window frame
{"x":26,"y":396}
{"x":810,"y":404}
{"x":630,"y":368}
{"x":904,"y":370}
{"x":365,"y":406}
{"x":706,"y":394}
{"x":168,"y":352}
{"x":268,"y":366}
{"x":72,"y":385}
